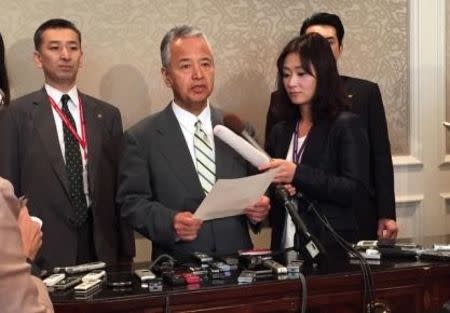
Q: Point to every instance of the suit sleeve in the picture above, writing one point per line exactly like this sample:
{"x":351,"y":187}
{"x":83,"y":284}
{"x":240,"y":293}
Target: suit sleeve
{"x":10,"y":143}
{"x":383,"y":172}
{"x":349,"y":143}
{"x":126,"y":247}
{"x":19,"y":291}
{"x":135,"y":196}
{"x":272,"y":138}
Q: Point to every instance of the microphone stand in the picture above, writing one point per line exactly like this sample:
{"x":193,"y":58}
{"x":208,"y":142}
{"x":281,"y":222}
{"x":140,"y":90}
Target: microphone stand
{"x":305,"y":243}
{"x":370,"y":305}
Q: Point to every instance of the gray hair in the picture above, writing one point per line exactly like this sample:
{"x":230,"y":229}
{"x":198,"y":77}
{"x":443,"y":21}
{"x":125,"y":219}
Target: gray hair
{"x":183,"y":31}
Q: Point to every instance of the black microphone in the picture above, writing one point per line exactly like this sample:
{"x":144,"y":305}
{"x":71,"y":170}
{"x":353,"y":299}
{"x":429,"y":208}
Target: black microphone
{"x":305,"y":243}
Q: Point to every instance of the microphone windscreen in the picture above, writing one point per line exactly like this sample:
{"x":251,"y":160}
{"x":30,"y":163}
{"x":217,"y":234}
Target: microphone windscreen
{"x":233,"y":122}
{"x":281,"y":193}
{"x":246,"y":150}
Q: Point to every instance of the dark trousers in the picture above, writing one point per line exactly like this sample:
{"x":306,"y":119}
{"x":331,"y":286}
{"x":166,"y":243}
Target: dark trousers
{"x":86,"y":246}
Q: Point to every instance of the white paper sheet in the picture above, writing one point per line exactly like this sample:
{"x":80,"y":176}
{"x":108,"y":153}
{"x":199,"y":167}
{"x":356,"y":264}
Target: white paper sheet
{"x":230,"y":197}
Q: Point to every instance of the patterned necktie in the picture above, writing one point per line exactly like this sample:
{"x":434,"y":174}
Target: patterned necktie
{"x":74,"y":168}
{"x":204,"y":157}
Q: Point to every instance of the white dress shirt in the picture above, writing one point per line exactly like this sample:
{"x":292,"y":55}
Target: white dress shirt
{"x":187,"y":122}
{"x":74,"y":108}
{"x":289,"y":229}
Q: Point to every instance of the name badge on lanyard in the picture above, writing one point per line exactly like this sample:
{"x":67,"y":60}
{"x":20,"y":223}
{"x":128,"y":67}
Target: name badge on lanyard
{"x":297,"y":151}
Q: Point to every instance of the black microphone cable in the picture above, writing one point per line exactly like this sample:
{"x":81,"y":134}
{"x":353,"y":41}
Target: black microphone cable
{"x":369,"y":295}
{"x":304,"y":290}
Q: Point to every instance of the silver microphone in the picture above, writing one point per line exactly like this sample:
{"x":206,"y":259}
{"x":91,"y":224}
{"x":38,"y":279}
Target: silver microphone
{"x":245,"y":149}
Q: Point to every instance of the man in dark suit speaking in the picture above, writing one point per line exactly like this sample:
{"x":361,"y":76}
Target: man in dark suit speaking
{"x":171,"y":160}
{"x":58,"y":150}
{"x":364,"y":96}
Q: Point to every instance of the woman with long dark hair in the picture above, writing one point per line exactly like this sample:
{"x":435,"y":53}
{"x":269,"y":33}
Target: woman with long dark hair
{"x":320,"y":149}
{"x":4,"y":83}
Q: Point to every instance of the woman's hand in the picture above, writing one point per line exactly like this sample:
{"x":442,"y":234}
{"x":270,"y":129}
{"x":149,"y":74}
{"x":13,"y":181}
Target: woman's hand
{"x":285,"y":170}
{"x":290,"y":189}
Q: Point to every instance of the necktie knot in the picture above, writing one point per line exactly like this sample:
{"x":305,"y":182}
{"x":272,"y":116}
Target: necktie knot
{"x":198,"y":126}
{"x":200,"y":132}
{"x":64,"y":100}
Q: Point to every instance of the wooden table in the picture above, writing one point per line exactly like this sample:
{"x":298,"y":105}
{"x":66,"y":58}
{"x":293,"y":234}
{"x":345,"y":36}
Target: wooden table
{"x":405,"y":286}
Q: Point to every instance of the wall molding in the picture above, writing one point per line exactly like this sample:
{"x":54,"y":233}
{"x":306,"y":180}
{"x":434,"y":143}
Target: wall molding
{"x":406,"y":160}
{"x":409,"y":200}
{"x":411,"y":205}
{"x":445,"y":196}
{"x":423,"y":33}
{"x":442,"y":78}
{"x":415,"y":124}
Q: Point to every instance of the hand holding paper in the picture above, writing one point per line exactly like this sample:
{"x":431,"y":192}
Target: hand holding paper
{"x":258,"y":212}
{"x":230,"y":197}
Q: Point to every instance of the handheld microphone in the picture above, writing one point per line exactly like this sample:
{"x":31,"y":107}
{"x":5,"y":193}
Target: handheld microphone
{"x":305,"y":243}
{"x":245,"y":149}
{"x":233,"y":122}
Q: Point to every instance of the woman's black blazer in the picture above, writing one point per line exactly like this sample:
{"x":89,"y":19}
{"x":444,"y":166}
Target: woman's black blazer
{"x":333,"y":173}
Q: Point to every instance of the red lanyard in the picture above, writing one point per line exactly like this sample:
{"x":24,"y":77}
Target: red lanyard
{"x":81,"y":140}
{"x":297,"y":151}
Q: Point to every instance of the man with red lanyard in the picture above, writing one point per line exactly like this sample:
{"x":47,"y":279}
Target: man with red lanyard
{"x":59,"y":149}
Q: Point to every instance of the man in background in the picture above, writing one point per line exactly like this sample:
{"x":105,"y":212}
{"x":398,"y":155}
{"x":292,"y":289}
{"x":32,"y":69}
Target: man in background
{"x":172,"y":159}
{"x":59,"y":148}
{"x":378,"y":219}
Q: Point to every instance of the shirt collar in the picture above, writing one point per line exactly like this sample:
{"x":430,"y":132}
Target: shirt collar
{"x":188,"y":119}
{"x":56,"y":95}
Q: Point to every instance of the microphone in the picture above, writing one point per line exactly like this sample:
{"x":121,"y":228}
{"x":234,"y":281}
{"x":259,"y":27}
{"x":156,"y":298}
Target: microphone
{"x":233,"y":122}
{"x":245,"y":149}
{"x":305,"y":243}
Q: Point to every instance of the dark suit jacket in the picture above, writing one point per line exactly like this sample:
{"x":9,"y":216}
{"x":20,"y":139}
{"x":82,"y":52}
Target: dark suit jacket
{"x":157,"y":179}
{"x":333,"y":172}
{"x":32,"y":160}
{"x":365,"y":100}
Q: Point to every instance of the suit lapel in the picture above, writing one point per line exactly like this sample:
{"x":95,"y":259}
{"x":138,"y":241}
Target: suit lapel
{"x":45,"y":125}
{"x":174,"y":149}
{"x":316,"y":141}
{"x":350,"y":91}
{"x":94,"y":126}
{"x":285,"y":139}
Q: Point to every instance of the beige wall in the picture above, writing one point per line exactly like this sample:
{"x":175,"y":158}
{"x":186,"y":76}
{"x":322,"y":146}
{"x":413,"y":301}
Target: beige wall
{"x":121,"y":44}
{"x":447,"y":59}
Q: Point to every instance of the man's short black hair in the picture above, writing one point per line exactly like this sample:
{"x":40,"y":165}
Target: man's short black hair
{"x":324,"y":18}
{"x":55,"y":23}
